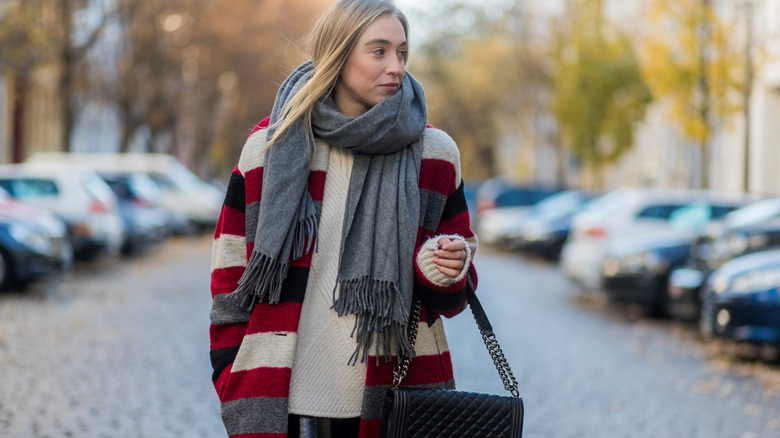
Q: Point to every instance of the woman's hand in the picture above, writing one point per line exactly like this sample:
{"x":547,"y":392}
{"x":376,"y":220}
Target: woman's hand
{"x":450,"y":256}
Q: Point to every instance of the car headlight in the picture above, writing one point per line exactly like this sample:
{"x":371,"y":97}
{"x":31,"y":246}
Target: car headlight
{"x":727,"y":248}
{"x":754,"y":281}
{"x":29,"y":237}
{"x":645,"y":261}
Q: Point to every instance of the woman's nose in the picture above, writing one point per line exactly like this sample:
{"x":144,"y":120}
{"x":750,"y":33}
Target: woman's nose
{"x":396,"y":66}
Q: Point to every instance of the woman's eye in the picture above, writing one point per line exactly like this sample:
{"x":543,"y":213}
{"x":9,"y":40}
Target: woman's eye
{"x":379,"y":52}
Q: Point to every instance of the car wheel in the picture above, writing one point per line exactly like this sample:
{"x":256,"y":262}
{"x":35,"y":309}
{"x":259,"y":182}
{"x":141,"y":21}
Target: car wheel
{"x":6,"y":270}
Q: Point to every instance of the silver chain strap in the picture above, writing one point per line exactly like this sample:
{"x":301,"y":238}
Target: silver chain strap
{"x":496,"y":353}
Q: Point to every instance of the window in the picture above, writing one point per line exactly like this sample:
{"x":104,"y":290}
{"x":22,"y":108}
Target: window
{"x":25,"y":188}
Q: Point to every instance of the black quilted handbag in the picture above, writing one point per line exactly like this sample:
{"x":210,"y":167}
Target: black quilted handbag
{"x":429,"y":413}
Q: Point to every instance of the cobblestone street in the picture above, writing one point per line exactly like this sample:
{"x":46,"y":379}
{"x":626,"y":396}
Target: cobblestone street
{"x":121,"y":350}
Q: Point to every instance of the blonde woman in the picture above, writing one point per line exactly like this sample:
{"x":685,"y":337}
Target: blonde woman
{"x":344,"y":209}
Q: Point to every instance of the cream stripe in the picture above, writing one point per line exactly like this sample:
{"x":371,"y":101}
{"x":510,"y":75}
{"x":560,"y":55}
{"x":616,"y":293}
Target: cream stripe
{"x":253,"y":154}
{"x":229,"y":250}
{"x":266,"y":350}
{"x":431,"y":340}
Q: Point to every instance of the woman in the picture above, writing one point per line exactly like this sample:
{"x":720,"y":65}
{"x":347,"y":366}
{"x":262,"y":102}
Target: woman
{"x":344,"y":209}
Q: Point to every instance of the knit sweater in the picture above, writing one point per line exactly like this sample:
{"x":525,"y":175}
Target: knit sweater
{"x":253,"y":353}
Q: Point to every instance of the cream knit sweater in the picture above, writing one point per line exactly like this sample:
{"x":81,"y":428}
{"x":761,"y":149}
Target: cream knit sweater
{"x":322,"y":383}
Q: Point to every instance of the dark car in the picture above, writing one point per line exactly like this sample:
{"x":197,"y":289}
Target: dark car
{"x":145,"y":221}
{"x":753,"y":228}
{"x":741,"y":300}
{"x":546,"y":229}
{"x":637,"y":267}
{"x":33,"y":243}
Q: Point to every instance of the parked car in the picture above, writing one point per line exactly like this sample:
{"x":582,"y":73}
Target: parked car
{"x":33,"y":243}
{"x":637,"y":267}
{"x":194,"y":203}
{"x":146,"y":222}
{"x":80,"y":198}
{"x":752,"y":228}
{"x":619,"y":213}
{"x":546,"y":229}
{"x":742,"y":299}
{"x":501,"y":207}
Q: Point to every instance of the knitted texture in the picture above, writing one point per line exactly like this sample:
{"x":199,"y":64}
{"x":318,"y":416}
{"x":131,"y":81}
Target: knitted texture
{"x":253,"y":353}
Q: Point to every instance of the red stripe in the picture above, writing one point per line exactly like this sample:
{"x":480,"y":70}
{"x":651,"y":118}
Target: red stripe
{"x":423,"y":370}
{"x":231,"y":221}
{"x":317,"y":185}
{"x":263,"y":124}
{"x":458,"y":224}
{"x":258,"y":382}
{"x":260,"y":435}
{"x":253,"y":180}
{"x":225,"y":280}
{"x":437,"y":175}
{"x":228,"y":335}
{"x":222,"y":380}
{"x":279,"y":317}
{"x":370,"y":428}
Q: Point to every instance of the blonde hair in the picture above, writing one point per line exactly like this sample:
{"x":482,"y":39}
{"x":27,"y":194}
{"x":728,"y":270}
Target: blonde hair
{"x":330,"y":43}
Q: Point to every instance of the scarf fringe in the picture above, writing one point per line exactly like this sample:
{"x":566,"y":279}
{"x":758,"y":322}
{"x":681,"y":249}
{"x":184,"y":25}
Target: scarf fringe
{"x":262,"y":281}
{"x":303,"y":236}
{"x":381,"y":317}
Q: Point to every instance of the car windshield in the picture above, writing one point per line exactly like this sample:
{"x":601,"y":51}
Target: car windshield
{"x":692,"y":216}
{"x":753,"y":213}
{"x":26,"y":188}
{"x":98,"y":189}
{"x":558,"y":205}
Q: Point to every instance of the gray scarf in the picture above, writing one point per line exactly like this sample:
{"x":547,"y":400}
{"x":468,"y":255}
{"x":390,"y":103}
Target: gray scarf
{"x":376,"y":273}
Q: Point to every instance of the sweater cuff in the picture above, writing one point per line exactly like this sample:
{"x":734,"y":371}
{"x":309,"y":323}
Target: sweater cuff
{"x":428,"y":267}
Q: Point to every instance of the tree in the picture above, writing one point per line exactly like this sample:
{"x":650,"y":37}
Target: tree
{"x":71,"y":53}
{"x":201,"y":73}
{"x":599,"y":94}
{"x":479,"y":79}
{"x":26,"y":42}
{"x":695,"y":67}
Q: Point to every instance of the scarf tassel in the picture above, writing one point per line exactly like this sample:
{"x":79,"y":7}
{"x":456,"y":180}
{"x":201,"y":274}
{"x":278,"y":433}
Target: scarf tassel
{"x":380,"y":317}
{"x":303,"y":236}
{"x":262,"y":281}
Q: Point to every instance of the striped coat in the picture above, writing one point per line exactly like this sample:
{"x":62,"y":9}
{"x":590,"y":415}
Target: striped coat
{"x":252,"y":353}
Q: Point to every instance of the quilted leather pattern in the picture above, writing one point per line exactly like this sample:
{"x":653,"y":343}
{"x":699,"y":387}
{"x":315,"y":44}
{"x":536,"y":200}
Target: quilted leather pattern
{"x":410,"y":413}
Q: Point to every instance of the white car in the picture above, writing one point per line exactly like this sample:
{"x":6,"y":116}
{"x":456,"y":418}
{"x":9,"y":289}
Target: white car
{"x":191,"y":201}
{"x":79,"y":197}
{"x":621,"y":213}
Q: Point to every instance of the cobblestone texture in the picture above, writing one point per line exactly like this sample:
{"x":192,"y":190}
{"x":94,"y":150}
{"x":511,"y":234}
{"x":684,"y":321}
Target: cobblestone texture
{"x":122,"y":351}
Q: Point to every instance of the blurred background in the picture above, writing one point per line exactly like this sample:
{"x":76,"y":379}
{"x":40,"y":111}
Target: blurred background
{"x":581,"y":93}
{"x":620,"y":161}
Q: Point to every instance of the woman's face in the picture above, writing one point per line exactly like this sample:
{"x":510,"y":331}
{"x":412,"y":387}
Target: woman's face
{"x":374,"y":69}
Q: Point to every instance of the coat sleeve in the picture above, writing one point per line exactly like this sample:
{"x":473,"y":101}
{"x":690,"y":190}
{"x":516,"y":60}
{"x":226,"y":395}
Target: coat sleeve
{"x":445,"y":215}
{"x":229,"y":320}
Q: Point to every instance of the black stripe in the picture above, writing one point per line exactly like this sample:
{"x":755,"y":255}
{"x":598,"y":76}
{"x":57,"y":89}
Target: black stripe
{"x":438,"y":301}
{"x":221,"y":358}
{"x":294,"y":285}
{"x":236,"y":194}
{"x":456,"y":204}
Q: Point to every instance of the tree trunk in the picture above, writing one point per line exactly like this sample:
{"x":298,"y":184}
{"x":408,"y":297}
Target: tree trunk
{"x":704,"y":94}
{"x":66,"y":78}
{"x":18,"y":117}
